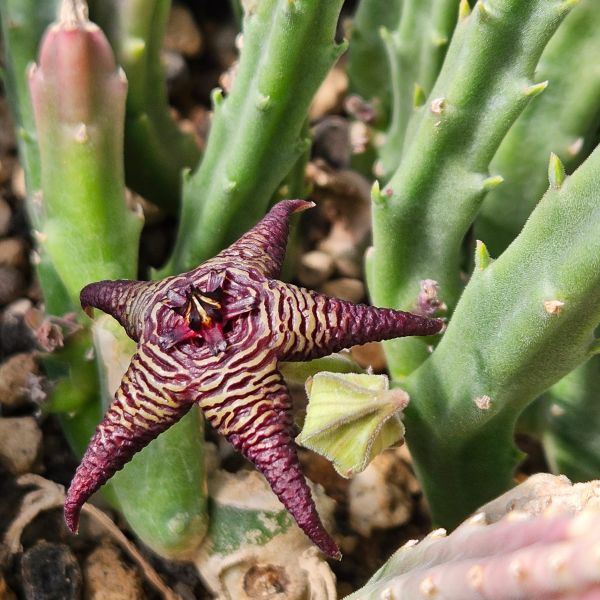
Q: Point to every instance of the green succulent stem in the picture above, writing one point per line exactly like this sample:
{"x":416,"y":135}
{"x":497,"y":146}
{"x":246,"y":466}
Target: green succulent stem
{"x":562,"y":120}
{"x":23,"y":23}
{"x":415,"y":49}
{"x":422,"y":215}
{"x":156,"y":149}
{"x":523,"y":322}
{"x":571,"y":420}
{"x":256,"y":133}
{"x":368,"y":68}
{"x":80,"y":128}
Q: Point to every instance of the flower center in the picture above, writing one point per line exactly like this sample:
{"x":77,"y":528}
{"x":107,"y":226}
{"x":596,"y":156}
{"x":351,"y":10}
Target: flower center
{"x":203,"y":309}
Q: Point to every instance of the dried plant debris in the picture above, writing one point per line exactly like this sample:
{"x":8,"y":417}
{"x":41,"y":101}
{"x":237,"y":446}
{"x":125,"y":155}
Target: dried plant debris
{"x":47,"y":495}
{"x":254,"y":550}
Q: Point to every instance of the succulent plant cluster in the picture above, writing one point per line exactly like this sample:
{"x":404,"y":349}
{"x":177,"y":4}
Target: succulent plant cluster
{"x":480,"y":120}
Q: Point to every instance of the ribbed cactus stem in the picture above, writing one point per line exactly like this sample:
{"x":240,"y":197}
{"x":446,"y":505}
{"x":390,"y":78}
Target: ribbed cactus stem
{"x":570,"y":424}
{"x":422,"y":215}
{"x":521,"y":557}
{"x":78,"y":97}
{"x":523,"y":322}
{"x":256,"y":132}
{"x":415,"y":49}
{"x":156,"y":150}
{"x":23,"y":23}
{"x":562,"y":120}
{"x":368,"y":68}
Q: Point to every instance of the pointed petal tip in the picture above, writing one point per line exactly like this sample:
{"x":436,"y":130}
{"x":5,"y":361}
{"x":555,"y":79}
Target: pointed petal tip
{"x":89,"y":296}
{"x":439,"y":325}
{"x":329,"y":548}
{"x":429,"y":326}
{"x":71,"y":511}
{"x":299,"y":205}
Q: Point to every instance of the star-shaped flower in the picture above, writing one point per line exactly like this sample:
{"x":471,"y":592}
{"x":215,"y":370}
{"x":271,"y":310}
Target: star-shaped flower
{"x":214,"y":336}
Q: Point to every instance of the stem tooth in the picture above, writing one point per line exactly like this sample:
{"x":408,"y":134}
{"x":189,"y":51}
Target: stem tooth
{"x":72,"y":14}
{"x":82,"y":135}
{"x":482,"y":256}
{"x":556,"y":172}
{"x":517,"y":570}
{"x":537,"y":88}
{"x":483,"y":402}
{"x":492,"y":182}
{"x":484,"y":9}
{"x":567,"y":5}
{"x":264,"y":102}
{"x":428,"y":588}
{"x":230,"y":186}
{"x":478,"y":519}
{"x":377,"y":195}
{"x":440,"y":40}
{"x":464,"y":10}
{"x":553,"y":307}
{"x":386,"y":35}
{"x":419,"y":97}
{"x":437,"y":106}
{"x":475,"y":577}
{"x":216,"y":98}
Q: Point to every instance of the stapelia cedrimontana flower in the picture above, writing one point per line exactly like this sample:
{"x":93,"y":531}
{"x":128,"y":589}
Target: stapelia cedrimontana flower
{"x":214,"y":336}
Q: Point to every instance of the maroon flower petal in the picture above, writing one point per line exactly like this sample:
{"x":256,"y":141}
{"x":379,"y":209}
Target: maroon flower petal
{"x":214,"y":336}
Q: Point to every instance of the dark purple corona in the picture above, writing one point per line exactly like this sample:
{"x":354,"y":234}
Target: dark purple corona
{"x":214,"y":336}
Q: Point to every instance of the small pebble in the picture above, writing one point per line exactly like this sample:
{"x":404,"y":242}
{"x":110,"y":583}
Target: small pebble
{"x":177,"y":73}
{"x":315,"y":268}
{"x":330,"y":96}
{"x":346,"y":289}
{"x":5,"y":592}
{"x":50,"y":572}
{"x":15,"y":334}
{"x":108,"y":578}
{"x":331,"y":142}
{"x":182,"y":35}
{"x":370,"y":355}
{"x":12,"y":284}
{"x":380,"y":497}
{"x":13,"y":252}
{"x":8,"y":164}
{"x":18,"y":182}
{"x":19,"y":374}
{"x":5,"y":217}
{"x":20,"y":444}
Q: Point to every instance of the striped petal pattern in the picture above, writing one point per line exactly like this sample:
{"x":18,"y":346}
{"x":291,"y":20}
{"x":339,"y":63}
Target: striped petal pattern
{"x":236,"y":383}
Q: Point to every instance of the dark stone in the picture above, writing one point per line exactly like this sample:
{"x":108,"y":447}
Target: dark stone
{"x":50,"y":572}
{"x":332,"y":142}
